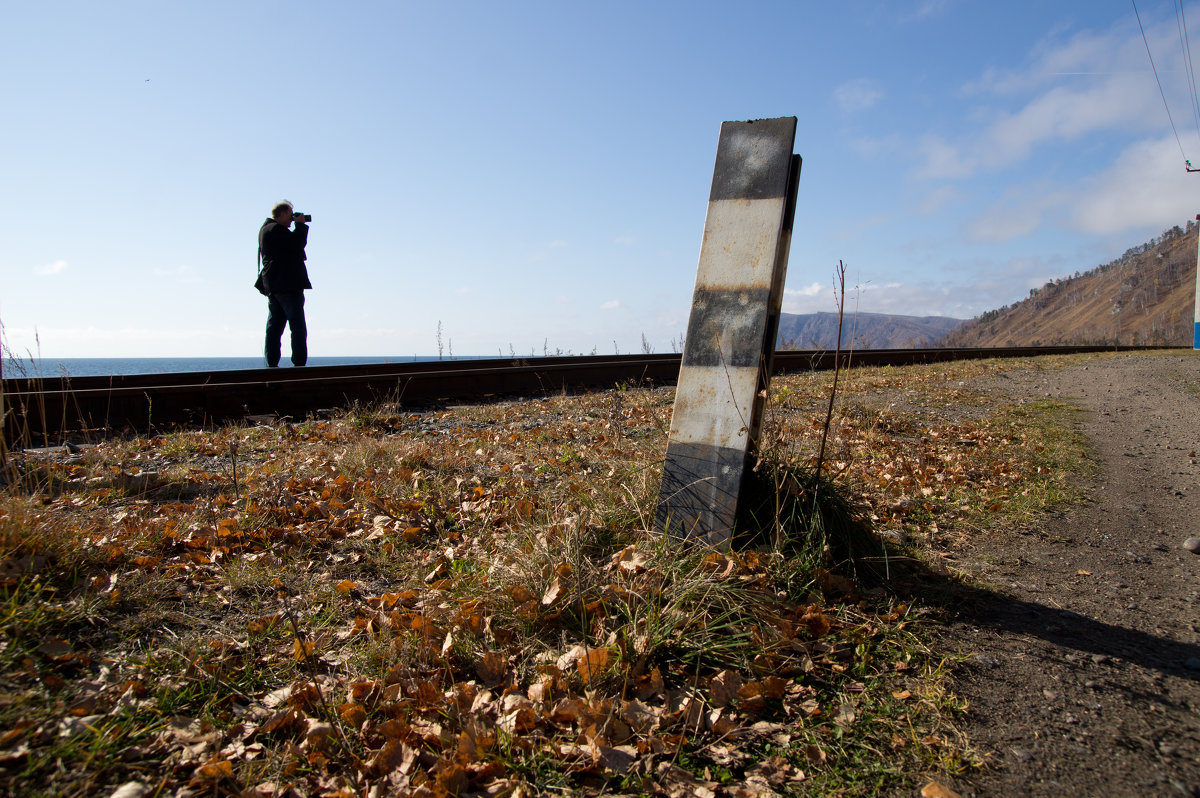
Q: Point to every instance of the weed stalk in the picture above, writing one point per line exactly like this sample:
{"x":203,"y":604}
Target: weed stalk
{"x":233,"y":449}
{"x":840,"y":276}
{"x":307,"y":658}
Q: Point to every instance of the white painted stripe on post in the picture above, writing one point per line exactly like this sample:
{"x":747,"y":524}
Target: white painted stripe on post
{"x":740,"y":240}
{"x":713,"y":406}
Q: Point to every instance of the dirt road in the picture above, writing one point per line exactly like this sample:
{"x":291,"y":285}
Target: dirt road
{"x":1083,"y":674}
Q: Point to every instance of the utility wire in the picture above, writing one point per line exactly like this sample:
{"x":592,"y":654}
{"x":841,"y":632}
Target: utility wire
{"x":1186,"y":46}
{"x":1160,"y":88}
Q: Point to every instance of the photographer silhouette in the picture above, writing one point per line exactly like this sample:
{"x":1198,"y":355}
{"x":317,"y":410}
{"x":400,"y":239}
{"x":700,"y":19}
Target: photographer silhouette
{"x":283,"y":278}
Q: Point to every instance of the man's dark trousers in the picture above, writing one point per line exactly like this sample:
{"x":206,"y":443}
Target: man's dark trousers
{"x":286,"y":309}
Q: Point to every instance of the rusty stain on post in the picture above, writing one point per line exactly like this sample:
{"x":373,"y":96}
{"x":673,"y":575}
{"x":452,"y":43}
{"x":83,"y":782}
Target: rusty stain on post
{"x":731,"y":332}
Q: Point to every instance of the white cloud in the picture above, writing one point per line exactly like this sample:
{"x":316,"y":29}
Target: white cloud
{"x":1147,"y":187}
{"x":93,"y":341}
{"x":865,"y":296}
{"x":857,"y":95}
{"x":822,"y":301}
{"x":857,"y":228}
{"x":938,"y":199}
{"x":1001,"y":223}
{"x":1092,"y":83}
{"x":942,"y":161}
{"x":1087,"y":53}
{"x":962,"y":289}
{"x":877,"y":147}
{"x":624,"y":241}
{"x":1020,"y":213}
{"x":611,"y":304}
{"x":812,"y":289}
{"x":1067,"y":113}
{"x":57,"y":267}
{"x":928,"y":8}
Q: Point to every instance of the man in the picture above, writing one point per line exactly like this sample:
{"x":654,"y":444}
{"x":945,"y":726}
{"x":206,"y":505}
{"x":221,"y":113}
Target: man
{"x":284,"y":278}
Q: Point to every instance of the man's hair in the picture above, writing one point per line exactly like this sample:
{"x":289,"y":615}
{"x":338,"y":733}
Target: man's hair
{"x":280,"y":207}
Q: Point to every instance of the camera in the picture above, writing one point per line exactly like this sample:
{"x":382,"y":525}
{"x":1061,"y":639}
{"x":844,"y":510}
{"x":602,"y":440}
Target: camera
{"x":297,"y":215}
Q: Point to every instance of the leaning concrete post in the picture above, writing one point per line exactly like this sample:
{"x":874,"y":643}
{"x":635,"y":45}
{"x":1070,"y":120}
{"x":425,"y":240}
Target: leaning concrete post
{"x":731,"y":333}
{"x":1196,"y":315}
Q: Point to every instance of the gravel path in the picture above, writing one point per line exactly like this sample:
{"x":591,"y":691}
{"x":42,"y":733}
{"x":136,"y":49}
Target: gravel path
{"x":1083,"y":674}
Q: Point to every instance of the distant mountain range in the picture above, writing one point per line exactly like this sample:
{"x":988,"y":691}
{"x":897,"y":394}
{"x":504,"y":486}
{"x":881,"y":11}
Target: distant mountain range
{"x":862,"y":331}
{"x":1144,"y":297}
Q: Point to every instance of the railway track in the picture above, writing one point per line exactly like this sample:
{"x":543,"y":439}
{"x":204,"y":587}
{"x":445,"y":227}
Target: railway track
{"x":40,"y":412}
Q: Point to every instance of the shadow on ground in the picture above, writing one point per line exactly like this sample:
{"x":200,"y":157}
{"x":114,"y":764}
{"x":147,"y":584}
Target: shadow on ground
{"x":992,"y":609}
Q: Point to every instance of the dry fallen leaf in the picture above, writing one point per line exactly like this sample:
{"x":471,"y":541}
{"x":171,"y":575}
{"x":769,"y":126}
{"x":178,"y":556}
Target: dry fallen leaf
{"x":520,"y":594}
{"x":592,"y":663}
{"x":553,"y":593}
{"x":302,"y":650}
{"x":935,"y":790}
{"x":492,"y":668}
{"x":215,"y":770}
{"x":724,"y":687}
{"x":353,"y":715}
{"x":815,"y":621}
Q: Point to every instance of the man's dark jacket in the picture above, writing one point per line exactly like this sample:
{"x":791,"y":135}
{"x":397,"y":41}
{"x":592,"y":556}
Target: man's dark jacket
{"x":283,"y":257}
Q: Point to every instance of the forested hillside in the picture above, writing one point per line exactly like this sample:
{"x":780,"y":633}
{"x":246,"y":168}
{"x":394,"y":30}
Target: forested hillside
{"x":1146,"y":296}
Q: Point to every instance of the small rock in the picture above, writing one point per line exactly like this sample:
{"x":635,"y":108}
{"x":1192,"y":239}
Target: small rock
{"x":1142,"y":558}
{"x":1022,"y":755}
{"x":131,"y":789}
{"x":1192,"y":545}
{"x":1100,"y":659}
{"x":142,"y":482}
{"x":985,"y":661}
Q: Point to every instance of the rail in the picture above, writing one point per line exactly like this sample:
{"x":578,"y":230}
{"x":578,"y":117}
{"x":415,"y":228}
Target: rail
{"x":42,"y":411}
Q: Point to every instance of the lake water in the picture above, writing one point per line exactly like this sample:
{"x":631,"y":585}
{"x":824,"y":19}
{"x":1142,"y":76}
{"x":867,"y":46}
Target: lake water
{"x":105,"y":366}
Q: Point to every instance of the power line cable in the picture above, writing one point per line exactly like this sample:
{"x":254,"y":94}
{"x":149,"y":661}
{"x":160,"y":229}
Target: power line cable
{"x":1186,"y":46}
{"x":1160,"y":88}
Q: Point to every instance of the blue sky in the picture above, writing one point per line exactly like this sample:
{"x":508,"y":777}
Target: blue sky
{"x":533,"y":176}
